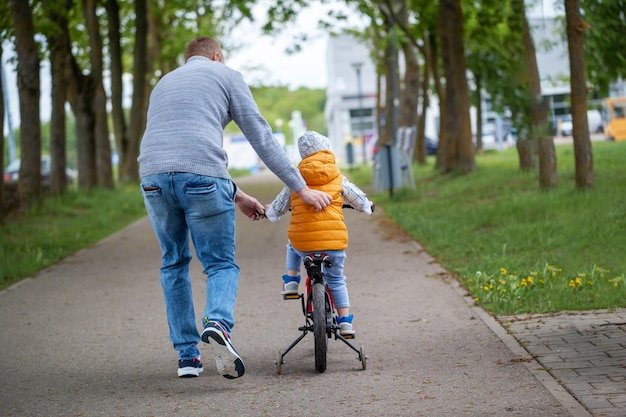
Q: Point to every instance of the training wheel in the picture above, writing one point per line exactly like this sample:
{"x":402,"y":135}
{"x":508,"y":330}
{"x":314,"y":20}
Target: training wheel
{"x":279,"y":363}
{"x":363,"y":357}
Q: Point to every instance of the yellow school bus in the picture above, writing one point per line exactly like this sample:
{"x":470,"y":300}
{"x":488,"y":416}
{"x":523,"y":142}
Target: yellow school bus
{"x":615,"y":118}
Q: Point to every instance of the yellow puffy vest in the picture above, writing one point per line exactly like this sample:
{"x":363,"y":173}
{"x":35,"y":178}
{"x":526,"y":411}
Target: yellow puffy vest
{"x":325,"y":230}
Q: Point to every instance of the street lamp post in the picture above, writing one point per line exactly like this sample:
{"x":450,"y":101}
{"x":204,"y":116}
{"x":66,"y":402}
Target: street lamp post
{"x":357,"y":67}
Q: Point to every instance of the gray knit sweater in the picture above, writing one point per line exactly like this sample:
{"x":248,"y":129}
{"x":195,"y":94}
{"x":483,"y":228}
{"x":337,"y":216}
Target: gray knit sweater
{"x":188,"y":110}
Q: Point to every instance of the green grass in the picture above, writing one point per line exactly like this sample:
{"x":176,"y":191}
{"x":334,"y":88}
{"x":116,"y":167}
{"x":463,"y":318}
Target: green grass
{"x":516,"y":248}
{"x":63,"y":225}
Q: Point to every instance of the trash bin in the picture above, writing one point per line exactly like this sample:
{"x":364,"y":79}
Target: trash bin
{"x":387,"y":168}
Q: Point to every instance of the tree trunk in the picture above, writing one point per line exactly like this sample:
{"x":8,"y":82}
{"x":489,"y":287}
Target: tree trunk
{"x":459,"y":153}
{"x":57,"y":43}
{"x":526,"y":153}
{"x":2,"y":110}
{"x":479,"y":115}
{"x":104,"y":171}
{"x":410,"y":93}
{"x":387,"y":124}
{"x":29,"y":184}
{"x":117,"y":87}
{"x":420,"y":151}
{"x":582,"y":142}
{"x":443,"y":137}
{"x":140,"y":90}
{"x":80,"y":97}
{"x":539,"y":131}
{"x":380,"y":109}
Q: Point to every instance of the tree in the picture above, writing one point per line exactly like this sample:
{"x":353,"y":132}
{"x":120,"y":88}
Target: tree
{"x":538,"y":110}
{"x":458,"y":153}
{"x":582,"y":143}
{"x":56,"y":36}
{"x":1,"y":134}
{"x":5,"y":25}
{"x":140,"y":92}
{"x":29,"y":184}
{"x":605,"y":43}
{"x":104,"y":171}
{"x":117,"y":86}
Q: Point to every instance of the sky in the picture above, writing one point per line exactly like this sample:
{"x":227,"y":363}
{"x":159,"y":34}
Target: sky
{"x":308,"y":67}
{"x":263,"y":60}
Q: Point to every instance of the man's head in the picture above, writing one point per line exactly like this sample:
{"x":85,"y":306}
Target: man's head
{"x":206,"y":47}
{"x":311,"y":142}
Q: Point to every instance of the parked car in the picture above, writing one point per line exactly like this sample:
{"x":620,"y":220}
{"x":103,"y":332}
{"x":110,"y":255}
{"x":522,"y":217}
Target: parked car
{"x":12,"y":172}
{"x":489,"y":140}
{"x":594,"y":121}
{"x":431,"y":146}
{"x":566,"y":126}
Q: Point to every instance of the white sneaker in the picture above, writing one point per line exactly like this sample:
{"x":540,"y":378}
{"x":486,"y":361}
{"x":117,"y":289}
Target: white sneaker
{"x":290,"y":287}
{"x":345,"y":326}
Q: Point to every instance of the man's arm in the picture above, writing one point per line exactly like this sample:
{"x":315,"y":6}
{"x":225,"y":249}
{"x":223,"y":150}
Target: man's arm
{"x":249,"y":205}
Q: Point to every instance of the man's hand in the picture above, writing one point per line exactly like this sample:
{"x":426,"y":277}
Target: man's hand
{"x":316,"y":198}
{"x":249,"y":206}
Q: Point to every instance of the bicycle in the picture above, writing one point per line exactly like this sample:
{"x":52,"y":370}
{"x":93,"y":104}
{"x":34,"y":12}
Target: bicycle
{"x":319,"y":313}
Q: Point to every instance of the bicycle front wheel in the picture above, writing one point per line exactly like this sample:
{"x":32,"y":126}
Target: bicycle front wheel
{"x":319,"y":326}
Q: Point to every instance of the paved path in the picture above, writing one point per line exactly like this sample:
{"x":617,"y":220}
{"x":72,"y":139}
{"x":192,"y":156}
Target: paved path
{"x":584,"y":351}
{"x":88,"y":337}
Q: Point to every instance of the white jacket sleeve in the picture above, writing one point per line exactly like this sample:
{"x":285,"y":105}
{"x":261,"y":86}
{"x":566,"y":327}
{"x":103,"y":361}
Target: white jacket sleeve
{"x":279,"y":206}
{"x":354,"y":196}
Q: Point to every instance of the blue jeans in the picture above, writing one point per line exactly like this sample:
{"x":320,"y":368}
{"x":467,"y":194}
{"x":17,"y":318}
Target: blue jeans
{"x":181,"y":205}
{"x":335,"y":278}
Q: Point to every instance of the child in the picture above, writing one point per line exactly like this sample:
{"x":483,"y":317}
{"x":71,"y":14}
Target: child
{"x":323,"y":231}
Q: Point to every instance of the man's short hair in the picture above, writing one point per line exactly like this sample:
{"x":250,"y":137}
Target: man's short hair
{"x":203,"y":46}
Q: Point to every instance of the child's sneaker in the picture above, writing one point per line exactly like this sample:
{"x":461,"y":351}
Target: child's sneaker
{"x":189,"y":368}
{"x":227,"y":360}
{"x":345,"y":327}
{"x":290,"y":285}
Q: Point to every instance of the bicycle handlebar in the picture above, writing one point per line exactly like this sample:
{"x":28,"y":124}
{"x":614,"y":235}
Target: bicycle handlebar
{"x":350,"y":207}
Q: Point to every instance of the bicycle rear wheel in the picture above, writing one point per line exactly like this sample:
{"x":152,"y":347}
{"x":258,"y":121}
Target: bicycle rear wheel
{"x":319,"y":326}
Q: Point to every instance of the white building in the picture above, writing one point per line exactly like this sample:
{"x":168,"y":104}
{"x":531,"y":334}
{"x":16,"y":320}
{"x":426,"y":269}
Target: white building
{"x":345,"y":55}
{"x":342,"y":101}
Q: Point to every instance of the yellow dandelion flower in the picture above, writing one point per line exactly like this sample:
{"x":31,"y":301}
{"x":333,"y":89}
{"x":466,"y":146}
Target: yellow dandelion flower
{"x":503,"y":271}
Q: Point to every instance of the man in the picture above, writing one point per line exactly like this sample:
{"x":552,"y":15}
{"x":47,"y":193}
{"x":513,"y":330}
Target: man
{"x":188,"y":192}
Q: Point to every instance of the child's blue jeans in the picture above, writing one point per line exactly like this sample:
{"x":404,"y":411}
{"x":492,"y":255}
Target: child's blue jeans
{"x":334,"y":275}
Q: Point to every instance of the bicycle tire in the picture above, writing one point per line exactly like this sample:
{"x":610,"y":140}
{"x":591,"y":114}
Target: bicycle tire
{"x":319,"y":326}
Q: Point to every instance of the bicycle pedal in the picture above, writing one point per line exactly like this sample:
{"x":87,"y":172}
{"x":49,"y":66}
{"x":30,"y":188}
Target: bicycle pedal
{"x":347,"y":336}
{"x":291,"y":296}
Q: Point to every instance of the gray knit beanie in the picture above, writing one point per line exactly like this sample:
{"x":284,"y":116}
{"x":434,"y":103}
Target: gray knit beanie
{"x":311,"y":142}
